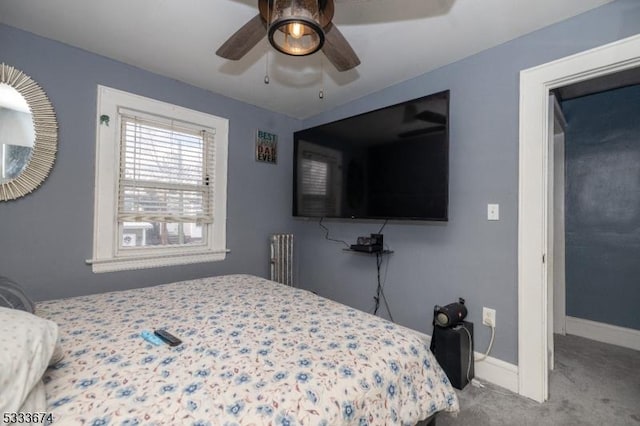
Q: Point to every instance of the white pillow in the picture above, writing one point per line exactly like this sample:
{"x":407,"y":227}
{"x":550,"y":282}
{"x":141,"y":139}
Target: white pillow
{"x":26,"y":345}
{"x":36,"y":401}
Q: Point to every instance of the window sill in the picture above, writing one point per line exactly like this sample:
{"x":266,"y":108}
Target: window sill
{"x":145,"y":262}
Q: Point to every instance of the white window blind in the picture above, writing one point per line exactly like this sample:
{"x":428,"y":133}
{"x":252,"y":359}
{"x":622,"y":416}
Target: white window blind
{"x":165,"y":171}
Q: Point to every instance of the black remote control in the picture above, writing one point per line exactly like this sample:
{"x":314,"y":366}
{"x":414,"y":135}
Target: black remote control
{"x":168,"y":337}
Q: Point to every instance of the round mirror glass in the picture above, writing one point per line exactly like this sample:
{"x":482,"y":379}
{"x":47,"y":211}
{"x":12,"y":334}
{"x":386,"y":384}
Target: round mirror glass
{"x":17,"y":134}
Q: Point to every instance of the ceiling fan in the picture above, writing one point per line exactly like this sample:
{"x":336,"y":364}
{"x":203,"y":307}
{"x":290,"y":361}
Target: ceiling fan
{"x":294,"y":27}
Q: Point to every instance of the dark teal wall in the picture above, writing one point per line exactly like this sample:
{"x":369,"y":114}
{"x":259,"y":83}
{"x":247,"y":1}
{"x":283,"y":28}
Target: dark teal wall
{"x":602,"y":207}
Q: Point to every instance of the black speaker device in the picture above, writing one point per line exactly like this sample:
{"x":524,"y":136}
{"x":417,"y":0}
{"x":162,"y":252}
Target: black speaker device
{"x":450,"y":315}
{"x":453,"y":349}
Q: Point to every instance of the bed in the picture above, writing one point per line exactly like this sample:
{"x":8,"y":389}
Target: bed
{"x":254,"y":352}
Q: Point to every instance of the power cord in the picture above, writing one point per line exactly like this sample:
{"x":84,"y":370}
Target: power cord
{"x":380,"y":288}
{"x":379,"y":259}
{"x":376,"y":298}
{"x":475,"y":382}
{"x":326,"y":235}
{"x":470,"y":352}
{"x":486,"y":354}
{"x":478,"y":384}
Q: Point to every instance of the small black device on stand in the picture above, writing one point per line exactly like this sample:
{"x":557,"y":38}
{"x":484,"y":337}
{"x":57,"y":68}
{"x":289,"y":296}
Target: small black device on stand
{"x":372,"y":244}
{"x":452,"y":342}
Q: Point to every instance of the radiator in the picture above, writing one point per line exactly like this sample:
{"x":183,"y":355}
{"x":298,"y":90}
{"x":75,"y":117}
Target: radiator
{"x":282,"y":258}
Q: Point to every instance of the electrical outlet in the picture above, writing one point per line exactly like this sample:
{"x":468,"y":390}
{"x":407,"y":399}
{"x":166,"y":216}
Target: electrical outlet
{"x":493,"y":212}
{"x":489,"y":317}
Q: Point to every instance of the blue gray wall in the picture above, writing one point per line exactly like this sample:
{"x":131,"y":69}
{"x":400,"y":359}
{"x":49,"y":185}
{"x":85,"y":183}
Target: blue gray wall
{"x":602,"y":207}
{"x":435,"y":263}
{"x":46,"y":236}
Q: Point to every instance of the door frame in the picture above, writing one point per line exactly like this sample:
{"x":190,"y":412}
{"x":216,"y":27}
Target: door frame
{"x":533,"y":187}
{"x":559,"y":291}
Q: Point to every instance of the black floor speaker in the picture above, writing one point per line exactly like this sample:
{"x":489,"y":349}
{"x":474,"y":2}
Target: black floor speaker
{"x":453,"y":348}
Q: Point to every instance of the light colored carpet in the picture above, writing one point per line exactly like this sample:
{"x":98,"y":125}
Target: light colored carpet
{"x":593,"y":384}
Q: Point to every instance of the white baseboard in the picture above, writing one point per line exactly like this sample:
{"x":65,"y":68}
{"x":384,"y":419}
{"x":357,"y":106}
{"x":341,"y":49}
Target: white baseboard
{"x":498,"y":372}
{"x":493,"y":370}
{"x":606,"y":333}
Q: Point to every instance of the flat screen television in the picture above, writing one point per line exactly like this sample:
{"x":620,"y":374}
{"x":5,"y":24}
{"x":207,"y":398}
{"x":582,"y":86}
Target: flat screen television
{"x":391,"y":163}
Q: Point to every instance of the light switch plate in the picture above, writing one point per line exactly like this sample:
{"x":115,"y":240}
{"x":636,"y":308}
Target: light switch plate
{"x":493,"y":212}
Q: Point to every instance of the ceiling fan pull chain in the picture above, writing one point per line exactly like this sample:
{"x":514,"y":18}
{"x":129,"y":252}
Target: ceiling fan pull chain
{"x":266,"y":71}
{"x":321,"y":93}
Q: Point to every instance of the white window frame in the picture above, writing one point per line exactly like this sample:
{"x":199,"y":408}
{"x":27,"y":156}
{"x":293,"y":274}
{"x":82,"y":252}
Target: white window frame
{"x":107,"y":254}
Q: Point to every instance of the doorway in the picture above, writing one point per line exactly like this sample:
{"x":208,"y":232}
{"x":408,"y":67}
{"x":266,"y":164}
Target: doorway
{"x":602,"y":211}
{"x":535,"y":160}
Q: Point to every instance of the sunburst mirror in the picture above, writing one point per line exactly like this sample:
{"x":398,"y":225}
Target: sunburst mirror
{"x":28,"y":134}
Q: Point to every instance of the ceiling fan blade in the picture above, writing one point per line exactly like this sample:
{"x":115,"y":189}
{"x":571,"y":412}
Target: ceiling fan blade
{"x":338,"y":50}
{"x":243,"y":40}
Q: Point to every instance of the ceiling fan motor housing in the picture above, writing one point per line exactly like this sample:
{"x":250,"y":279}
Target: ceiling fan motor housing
{"x":295,"y":28}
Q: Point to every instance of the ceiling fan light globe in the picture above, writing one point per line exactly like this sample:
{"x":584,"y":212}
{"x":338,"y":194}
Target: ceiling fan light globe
{"x":308,"y":38}
{"x":294,"y":27}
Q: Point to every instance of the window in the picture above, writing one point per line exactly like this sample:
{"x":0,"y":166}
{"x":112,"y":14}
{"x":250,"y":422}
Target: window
{"x":160,"y":184}
{"x":320,"y":180}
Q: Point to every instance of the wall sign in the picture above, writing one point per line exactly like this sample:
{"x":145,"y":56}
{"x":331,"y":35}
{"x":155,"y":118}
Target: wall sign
{"x":266,"y":147}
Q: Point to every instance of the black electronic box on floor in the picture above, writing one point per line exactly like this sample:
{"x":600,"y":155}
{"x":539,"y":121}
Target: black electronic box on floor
{"x":453,"y":349}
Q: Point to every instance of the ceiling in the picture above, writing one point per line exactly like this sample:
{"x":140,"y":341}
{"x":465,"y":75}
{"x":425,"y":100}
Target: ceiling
{"x":395,"y":40}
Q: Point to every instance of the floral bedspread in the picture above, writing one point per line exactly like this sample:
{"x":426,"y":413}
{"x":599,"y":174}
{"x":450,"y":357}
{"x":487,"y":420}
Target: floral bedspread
{"x":254,"y":352}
